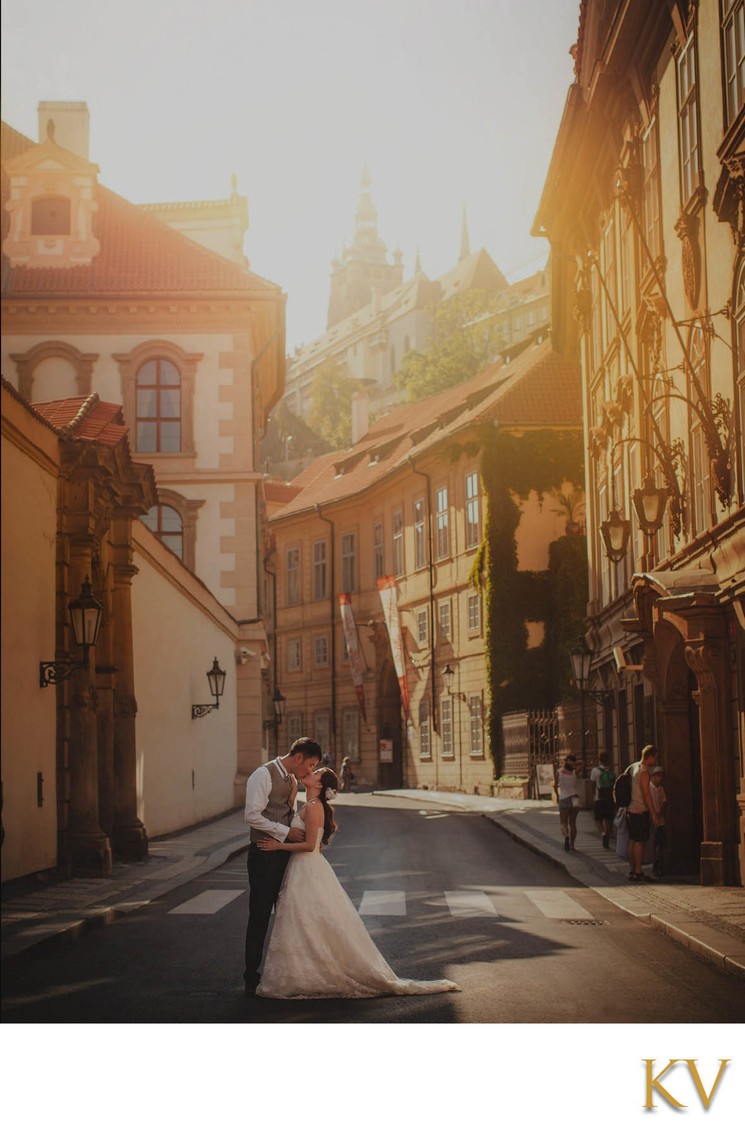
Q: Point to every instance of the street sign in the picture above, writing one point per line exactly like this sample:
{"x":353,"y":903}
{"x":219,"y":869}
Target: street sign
{"x":385,"y":753}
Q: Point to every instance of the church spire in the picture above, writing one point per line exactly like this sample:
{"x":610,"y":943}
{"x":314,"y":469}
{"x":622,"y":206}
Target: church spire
{"x":418,"y":264}
{"x":465,"y":246}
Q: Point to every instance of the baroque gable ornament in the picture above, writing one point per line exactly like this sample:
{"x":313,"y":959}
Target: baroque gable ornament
{"x":686,"y":228}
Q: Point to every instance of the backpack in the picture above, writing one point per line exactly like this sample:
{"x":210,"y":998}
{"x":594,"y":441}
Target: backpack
{"x":607,"y":779}
{"x":622,"y":790}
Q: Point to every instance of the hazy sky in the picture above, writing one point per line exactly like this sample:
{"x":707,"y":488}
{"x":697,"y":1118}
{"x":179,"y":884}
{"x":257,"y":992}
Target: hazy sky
{"x":449,"y":102}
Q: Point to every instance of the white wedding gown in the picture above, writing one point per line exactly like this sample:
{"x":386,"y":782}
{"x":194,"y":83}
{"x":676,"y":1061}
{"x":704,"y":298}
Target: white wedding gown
{"x":319,"y":946}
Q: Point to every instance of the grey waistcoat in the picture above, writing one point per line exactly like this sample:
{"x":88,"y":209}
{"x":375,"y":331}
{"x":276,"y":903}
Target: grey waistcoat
{"x":278,"y":807}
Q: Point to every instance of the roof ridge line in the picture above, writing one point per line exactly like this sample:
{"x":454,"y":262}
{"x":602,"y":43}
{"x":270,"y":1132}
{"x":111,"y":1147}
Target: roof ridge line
{"x":90,"y":401}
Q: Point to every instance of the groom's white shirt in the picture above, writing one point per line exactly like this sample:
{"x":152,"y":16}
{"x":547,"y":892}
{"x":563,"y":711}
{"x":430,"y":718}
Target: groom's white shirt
{"x":258,"y":789}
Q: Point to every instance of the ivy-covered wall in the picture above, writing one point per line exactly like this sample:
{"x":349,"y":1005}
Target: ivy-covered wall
{"x":519,"y":678}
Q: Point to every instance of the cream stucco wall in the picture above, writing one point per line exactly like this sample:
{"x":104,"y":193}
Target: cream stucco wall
{"x":185,"y":766}
{"x":29,"y":495}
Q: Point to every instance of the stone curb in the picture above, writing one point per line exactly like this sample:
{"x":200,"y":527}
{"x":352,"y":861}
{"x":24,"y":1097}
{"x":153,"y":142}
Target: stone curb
{"x":706,"y":943}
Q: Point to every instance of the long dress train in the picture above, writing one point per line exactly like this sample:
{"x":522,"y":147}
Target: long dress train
{"x":319,"y":946}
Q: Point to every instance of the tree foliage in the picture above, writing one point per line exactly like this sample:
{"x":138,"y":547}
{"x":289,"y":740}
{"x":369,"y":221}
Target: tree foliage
{"x":331,"y":394}
{"x":465,"y":338}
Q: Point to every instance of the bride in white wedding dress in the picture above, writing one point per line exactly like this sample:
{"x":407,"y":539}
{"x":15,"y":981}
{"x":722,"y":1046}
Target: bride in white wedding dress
{"x":319,"y":946}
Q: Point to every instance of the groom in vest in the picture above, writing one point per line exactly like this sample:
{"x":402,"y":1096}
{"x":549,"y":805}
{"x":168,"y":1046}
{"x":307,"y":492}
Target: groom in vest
{"x":271,"y":791}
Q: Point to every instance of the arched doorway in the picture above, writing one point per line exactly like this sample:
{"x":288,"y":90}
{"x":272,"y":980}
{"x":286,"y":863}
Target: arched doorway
{"x":680,"y":754}
{"x":390,"y":773}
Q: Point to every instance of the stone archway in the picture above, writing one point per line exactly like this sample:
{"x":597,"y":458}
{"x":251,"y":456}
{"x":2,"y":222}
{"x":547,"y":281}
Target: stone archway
{"x":390,"y":774}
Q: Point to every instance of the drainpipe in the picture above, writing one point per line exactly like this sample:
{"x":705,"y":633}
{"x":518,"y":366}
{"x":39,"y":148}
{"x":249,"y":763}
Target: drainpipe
{"x":431,"y":589}
{"x":332,"y":619}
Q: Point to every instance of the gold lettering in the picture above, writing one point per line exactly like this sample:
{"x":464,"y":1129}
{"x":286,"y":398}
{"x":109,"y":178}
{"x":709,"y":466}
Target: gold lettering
{"x":653,"y":1082}
{"x":706,"y":1100}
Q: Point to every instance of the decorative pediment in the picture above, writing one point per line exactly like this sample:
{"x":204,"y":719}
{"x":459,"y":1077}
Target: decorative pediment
{"x":53,"y":199}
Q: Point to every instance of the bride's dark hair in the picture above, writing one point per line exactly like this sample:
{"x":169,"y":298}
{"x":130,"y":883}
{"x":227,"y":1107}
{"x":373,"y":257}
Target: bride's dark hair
{"x":328,"y":781}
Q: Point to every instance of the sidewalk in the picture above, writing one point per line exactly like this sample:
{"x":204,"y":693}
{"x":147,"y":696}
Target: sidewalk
{"x":708,"y":921}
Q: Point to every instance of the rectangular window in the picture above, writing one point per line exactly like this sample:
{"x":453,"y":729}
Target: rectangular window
{"x":603,"y":559}
{"x":321,"y":650}
{"x":322,"y":729}
{"x":443,"y":615}
{"x":420,"y":541}
{"x":351,"y":734}
{"x":473,"y":524}
{"x":442,"y":523}
{"x":398,"y":543}
{"x":609,"y":273}
{"x":320,"y":570}
{"x":476,"y":725}
{"x":700,"y":479}
{"x":294,"y":654}
{"x":626,"y":258}
{"x":651,"y":191}
{"x":348,"y":563}
{"x":294,"y":726}
{"x":733,"y":40}
{"x":378,"y":550}
{"x":422,"y":629}
{"x":474,"y":613}
{"x":688,"y":120}
{"x":446,"y":726}
{"x":425,"y":730}
{"x":292,"y":576}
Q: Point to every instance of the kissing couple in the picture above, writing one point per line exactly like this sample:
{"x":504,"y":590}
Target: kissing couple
{"x":319,"y":946}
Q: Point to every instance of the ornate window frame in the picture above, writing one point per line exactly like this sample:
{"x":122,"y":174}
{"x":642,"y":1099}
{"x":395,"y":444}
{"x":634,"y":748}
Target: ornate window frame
{"x":27,"y":362}
{"x":188,"y":510}
{"x":186,"y":362}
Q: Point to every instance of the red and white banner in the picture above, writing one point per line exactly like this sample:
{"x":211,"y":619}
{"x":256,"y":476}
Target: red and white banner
{"x":353,"y":649}
{"x":387,"y":591}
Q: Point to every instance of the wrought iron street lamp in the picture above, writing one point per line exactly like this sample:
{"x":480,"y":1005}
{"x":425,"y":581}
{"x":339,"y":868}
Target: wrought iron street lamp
{"x":615,"y":533}
{"x":216,"y":678}
{"x":85,"y":617}
{"x":649,"y":503}
{"x":581,"y":659}
{"x":448,"y":676}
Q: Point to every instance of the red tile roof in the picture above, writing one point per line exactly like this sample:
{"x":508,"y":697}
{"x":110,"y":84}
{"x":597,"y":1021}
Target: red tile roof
{"x":85,"y":419}
{"x":138,"y":254}
{"x":539,"y":388}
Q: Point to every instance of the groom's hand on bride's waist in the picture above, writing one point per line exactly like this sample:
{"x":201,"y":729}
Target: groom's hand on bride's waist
{"x":294,"y":836}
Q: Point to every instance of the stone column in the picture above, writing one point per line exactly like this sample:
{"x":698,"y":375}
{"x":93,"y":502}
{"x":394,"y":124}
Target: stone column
{"x":130,"y":837}
{"x":673,"y":736}
{"x":719,"y":848}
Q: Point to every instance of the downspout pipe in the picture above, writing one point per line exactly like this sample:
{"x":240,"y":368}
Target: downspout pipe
{"x":431,"y":588}
{"x":332,"y":619}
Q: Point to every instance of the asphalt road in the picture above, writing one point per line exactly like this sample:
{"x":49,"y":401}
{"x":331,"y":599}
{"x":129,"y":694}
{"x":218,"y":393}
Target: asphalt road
{"x":464,"y":902}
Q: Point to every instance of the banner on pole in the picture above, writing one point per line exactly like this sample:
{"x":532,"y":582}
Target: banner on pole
{"x":388,"y":593}
{"x":353,"y":649}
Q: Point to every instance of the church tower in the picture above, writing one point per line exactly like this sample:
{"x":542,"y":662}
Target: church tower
{"x":363,"y":266}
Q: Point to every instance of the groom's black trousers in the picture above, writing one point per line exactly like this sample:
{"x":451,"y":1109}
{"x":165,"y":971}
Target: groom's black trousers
{"x":265,"y":873}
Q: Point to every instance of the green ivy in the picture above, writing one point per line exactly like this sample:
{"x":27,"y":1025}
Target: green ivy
{"x":519,"y":678}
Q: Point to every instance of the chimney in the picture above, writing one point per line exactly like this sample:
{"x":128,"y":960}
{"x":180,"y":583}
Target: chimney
{"x":70,"y":124}
{"x":360,"y":412}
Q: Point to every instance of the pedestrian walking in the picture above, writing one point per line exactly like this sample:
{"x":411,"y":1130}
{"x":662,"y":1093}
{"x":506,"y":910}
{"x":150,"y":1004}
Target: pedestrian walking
{"x":604,"y":778}
{"x":641,"y":814}
{"x":659,"y":801}
{"x":568,"y":798}
{"x":346,"y":776}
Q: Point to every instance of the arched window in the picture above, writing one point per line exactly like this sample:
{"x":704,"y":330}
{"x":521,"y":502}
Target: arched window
{"x":167,"y":525}
{"x":158,"y":408}
{"x":50,"y":215}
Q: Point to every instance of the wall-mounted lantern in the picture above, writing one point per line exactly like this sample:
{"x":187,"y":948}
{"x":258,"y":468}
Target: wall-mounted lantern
{"x":216,"y":678}
{"x":85,"y":617}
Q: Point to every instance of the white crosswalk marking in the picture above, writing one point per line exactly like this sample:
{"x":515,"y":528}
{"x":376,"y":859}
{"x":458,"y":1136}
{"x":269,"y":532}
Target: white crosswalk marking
{"x":557,"y":905}
{"x":383,"y":903}
{"x":211,"y":901}
{"x":469,"y":904}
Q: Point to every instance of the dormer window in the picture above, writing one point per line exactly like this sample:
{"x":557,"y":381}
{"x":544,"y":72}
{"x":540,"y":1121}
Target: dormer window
{"x":50,"y":215}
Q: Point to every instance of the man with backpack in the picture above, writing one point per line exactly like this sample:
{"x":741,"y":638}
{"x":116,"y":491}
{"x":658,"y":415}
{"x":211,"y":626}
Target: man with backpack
{"x":604,"y":778}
